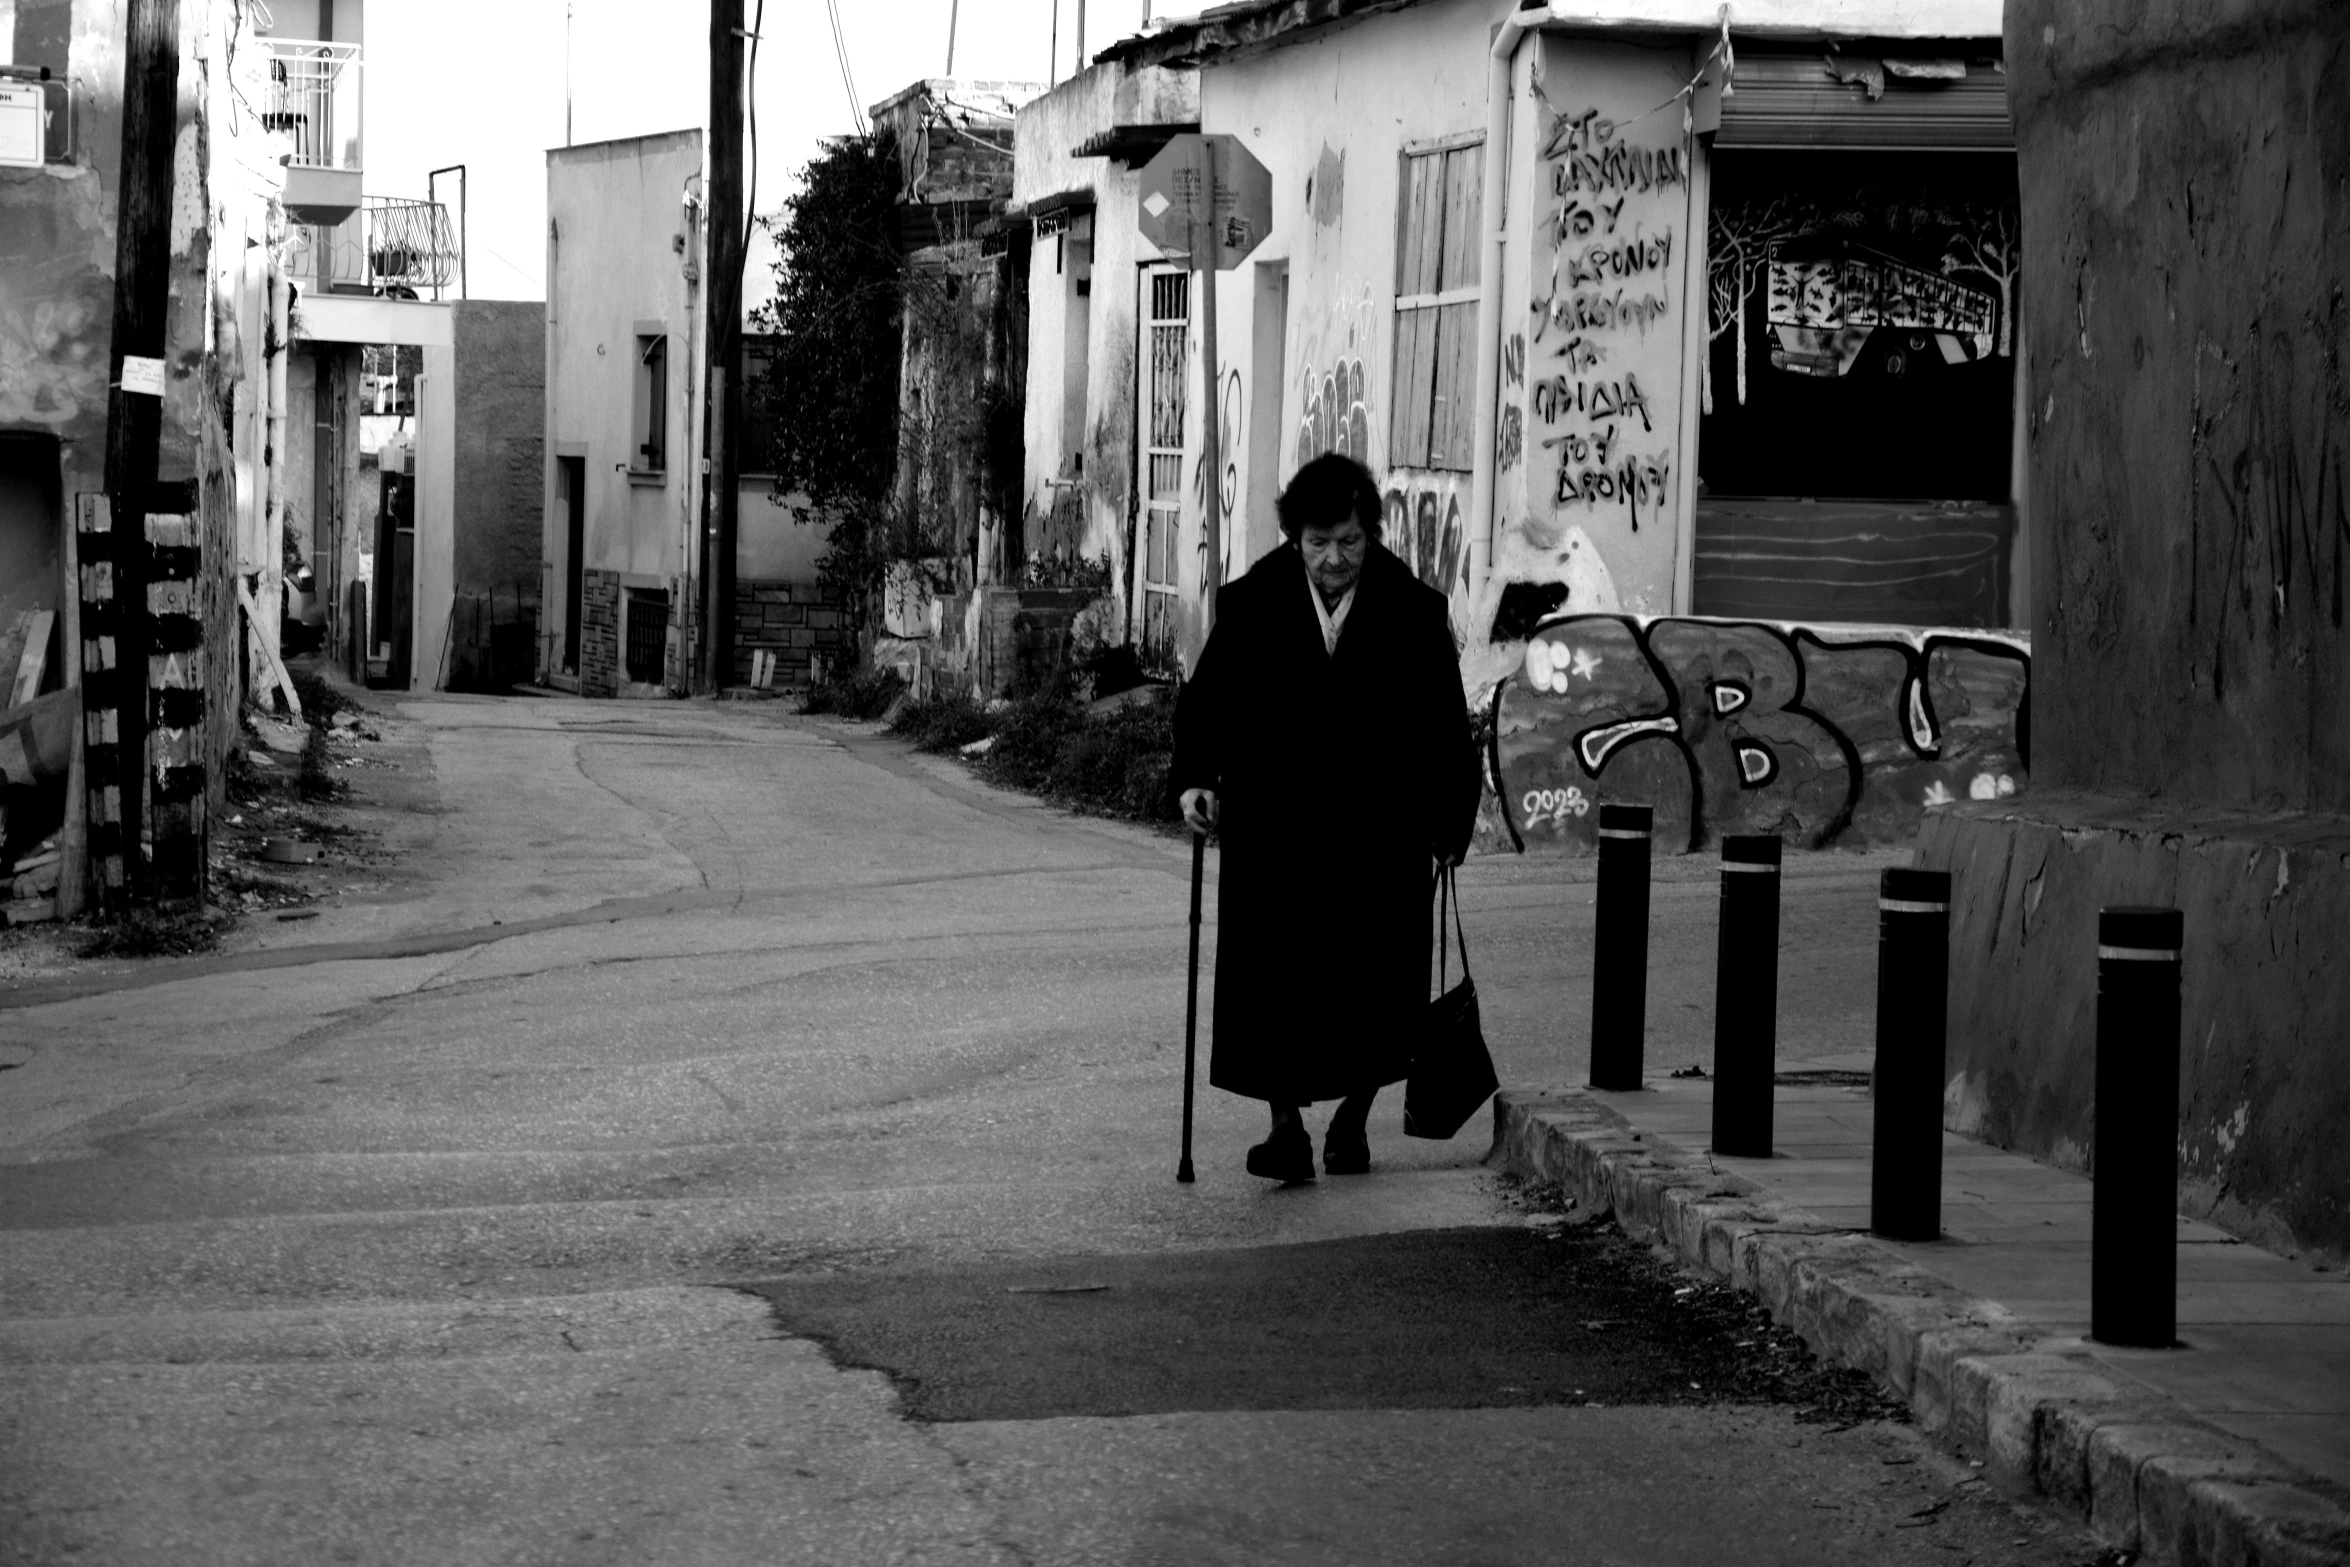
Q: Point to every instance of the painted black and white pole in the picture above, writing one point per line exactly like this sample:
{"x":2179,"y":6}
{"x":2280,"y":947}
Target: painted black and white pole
{"x":2133,"y":1226}
{"x":1619,"y":947}
{"x":1746,"y":997}
{"x":1913,"y":987}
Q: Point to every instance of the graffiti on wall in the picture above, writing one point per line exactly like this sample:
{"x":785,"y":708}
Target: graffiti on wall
{"x":1423,"y":528}
{"x":1822,"y":734}
{"x":1336,"y":380}
{"x":1612,"y":230}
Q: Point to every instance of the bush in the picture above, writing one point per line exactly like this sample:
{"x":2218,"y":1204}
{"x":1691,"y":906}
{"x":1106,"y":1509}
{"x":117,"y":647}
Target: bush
{"x":1114,"y":764}
{"x":865,"y":694}
{"x":942,"y":723}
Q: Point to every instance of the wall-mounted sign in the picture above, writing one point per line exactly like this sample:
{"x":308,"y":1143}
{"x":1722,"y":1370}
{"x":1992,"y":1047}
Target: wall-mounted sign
{"x":23,"y":125}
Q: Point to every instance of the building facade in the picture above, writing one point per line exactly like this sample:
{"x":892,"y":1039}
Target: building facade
{"x":95,"y":738}
{"x":623,"y":590}
{"x":1684,"y":354}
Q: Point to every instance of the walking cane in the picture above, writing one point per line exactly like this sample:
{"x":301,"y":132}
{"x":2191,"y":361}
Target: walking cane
{"x":1199,"y":859}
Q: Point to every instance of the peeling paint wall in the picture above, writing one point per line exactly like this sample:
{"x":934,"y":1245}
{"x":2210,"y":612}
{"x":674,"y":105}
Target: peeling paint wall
{"x":1331,"y":116}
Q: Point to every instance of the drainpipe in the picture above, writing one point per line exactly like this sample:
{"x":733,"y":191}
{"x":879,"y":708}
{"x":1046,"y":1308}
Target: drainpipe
{"x":270,"y":596}
{"x":1506,"y":38}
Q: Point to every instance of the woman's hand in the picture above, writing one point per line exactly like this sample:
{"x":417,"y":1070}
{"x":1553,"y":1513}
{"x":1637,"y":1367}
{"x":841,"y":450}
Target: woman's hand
{"x":1199,"y":809}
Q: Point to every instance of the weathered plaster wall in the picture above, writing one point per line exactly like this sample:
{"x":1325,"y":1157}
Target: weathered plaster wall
{"x":2187,"y":266}
{"x":620,"y":248}
{"x":1088,"y":500}
{"x":776,"y":540}
{"x":2263,"y":1090}
{"x":1845,"y":735}
{"x":1593,"y":463}
{"x":1302,"y":109}
{"x":2186,"y":249}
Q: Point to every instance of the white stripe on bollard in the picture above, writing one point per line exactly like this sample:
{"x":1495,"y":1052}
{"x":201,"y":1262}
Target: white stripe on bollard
{"x":2140,"y":954}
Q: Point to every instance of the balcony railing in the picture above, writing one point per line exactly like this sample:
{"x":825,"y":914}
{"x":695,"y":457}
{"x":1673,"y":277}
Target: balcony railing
{"x":391,"y":247}
{"x":314,"y":101}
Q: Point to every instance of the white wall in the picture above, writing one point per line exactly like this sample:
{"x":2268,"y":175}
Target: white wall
{"x":775,"y":541}
{"x":1098,"y":423}
{"x":436,"y":517}
{"x":1338,"y":109}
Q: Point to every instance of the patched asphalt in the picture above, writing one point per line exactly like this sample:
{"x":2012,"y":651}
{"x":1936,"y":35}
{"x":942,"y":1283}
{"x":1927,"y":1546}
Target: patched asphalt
{"x":1494,"y":1316}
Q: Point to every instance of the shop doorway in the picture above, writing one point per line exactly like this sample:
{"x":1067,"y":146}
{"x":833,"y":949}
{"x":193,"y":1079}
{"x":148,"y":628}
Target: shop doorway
{"x":1857,"y":410}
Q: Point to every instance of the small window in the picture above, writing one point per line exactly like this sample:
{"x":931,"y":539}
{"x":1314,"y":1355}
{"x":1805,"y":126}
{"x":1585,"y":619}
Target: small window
{"x":650,"y":443}
{"x":647,"y":648}
{"x":1434,"y":410}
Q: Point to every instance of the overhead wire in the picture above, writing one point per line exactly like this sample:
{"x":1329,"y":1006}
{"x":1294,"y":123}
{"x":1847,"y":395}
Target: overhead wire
{"x":751,"y":98}
{"x":840,"y":49}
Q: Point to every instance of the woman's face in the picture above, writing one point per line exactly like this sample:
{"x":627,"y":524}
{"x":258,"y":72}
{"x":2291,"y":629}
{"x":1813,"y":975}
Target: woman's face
{"x":1334,"y":556}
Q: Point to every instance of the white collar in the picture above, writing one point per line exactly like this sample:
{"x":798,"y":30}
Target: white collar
{"x":1333,"y":620}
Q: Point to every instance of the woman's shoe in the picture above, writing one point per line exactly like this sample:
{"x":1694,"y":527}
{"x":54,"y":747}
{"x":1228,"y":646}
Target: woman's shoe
{"x":1344,"y":1155}
{"x":1286,"y":1156}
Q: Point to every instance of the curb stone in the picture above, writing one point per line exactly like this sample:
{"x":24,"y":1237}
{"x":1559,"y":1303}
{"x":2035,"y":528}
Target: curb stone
{"x":2141,"y":1472}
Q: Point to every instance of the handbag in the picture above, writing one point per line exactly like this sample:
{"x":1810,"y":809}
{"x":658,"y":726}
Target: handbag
{"x":1451,"y":1070}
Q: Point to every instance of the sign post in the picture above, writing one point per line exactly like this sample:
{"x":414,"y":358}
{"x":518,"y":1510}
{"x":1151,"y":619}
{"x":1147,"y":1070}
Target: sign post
{"x":1208,"y":200}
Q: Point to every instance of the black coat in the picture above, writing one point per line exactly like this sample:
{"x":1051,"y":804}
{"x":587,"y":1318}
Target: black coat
{"x":1342,"y":779}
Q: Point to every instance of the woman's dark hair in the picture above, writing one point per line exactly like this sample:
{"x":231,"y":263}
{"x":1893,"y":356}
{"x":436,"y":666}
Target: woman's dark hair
{"x":1325,"y":493}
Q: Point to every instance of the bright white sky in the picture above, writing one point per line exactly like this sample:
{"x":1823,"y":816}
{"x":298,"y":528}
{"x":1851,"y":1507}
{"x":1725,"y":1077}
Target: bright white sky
{"x":481,"y":82}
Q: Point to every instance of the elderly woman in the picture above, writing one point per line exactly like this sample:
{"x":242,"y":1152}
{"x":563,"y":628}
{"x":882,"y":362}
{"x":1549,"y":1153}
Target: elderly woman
{"x":1324,"y":729}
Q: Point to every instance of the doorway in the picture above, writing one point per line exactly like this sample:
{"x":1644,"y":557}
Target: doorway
{"x":571,"y":487}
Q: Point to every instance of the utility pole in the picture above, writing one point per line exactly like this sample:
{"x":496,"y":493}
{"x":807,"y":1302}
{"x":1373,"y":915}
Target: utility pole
{"x":134,"y":418}
{"x":722,"y":294}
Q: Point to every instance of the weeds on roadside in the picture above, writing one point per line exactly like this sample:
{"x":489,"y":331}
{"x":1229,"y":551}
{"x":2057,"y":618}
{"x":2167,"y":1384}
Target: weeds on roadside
{"x":942,"y":723}
{"x":865,"y":694}
{"x":317,"y":780}
{"x":167,"y":930}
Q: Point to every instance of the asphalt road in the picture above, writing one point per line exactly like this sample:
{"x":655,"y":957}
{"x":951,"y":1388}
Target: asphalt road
{"x":690,"y":1133}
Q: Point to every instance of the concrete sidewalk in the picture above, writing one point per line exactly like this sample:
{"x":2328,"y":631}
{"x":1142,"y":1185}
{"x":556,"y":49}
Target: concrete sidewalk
{"x":2234,"y":1448}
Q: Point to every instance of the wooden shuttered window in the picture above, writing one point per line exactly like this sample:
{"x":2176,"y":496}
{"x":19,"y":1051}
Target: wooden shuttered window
{"x":1438,"y":236}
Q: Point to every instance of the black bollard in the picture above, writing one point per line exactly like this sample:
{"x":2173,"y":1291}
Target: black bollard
{"x":1913,"y":987}
{"x":2134,"y":1202}
{"x":1619,"y":947}
{"x":1746,"y":997}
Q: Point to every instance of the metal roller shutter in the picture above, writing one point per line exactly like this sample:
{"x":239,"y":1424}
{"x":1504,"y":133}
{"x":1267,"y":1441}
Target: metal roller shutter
{"x":1798,"y":100}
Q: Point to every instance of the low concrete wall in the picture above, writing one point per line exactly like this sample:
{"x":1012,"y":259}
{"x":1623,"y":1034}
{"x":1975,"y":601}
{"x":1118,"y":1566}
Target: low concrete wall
{"x":1826,"y":734}
{"x":2264,"y":1089}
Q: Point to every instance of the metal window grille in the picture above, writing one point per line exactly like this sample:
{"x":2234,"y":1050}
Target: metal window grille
{"x":648,"y":635}
{"x":1170,"y":343}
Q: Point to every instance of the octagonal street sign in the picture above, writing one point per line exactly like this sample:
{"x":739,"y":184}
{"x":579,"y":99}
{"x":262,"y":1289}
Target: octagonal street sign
{"x":1206,"y":195}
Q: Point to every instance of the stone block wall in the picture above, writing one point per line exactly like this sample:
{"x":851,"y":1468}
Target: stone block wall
{"x":599,"y":633}
{"x":799,"y":622}
{"x":2264,"y":1080}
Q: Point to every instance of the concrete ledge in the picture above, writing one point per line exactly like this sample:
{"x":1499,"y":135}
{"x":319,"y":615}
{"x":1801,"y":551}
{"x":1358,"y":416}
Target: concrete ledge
{"x":2139,"y":1470}
{"x":2264,"y":1088}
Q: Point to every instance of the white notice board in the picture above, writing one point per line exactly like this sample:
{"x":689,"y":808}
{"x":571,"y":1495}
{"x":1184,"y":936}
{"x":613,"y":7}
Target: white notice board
{"x":21,"y":125}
